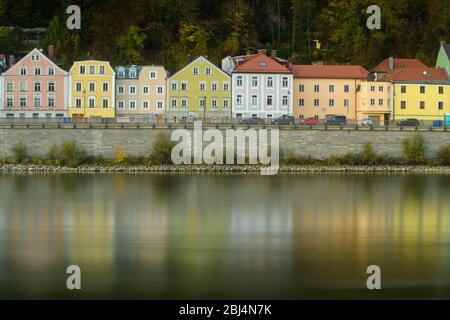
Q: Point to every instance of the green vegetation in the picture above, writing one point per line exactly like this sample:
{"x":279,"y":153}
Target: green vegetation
{"x":162,"y":150}
{"x":167,"y":31}
{"x":443,"y":156}
{"x":414,"y":150}
{"x":20,"y":153}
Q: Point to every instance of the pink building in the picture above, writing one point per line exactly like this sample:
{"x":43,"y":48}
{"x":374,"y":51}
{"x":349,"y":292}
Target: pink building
{"x":35,"y":87}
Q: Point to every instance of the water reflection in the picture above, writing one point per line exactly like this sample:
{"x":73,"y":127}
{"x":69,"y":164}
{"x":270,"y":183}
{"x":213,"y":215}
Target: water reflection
{"x":224,"y":236}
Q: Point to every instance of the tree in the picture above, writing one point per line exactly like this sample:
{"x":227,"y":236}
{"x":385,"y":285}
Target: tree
{"x":131,"y":46}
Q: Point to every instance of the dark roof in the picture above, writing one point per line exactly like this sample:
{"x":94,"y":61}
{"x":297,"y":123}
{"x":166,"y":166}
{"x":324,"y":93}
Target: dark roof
{"x":127,"y":72}
{"x":447,"y":50}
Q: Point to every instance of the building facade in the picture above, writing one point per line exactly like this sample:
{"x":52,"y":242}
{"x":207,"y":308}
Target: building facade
{"x":92,"y":93}
{"x":35,"y":87}
{"x":374,"y":101}
{"x":140,"y":93}
{"x":199,"y":90}
{"x":420,"y":93}
{"x":321,"y":91}
{"x":262,"y":87}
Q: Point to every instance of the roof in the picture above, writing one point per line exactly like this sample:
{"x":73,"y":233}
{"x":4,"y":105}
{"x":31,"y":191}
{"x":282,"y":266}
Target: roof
{"x":127,"y":72}
{"x":399,"y":63}
{"x":417,"y":75}
{"x":41,"y":54}
{"x":329,"y":72}
{"x":261,"y":63}
{"x":205,"y":60}
{"x":447,"y":50}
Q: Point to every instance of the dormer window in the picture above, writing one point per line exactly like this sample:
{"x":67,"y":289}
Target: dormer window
{"x":263,"y":64}
{"x":121,"y":73}
{"x":132,"y":73}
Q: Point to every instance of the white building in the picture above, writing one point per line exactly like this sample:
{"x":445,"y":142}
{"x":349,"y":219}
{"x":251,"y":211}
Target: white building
{"x":262,"y":87}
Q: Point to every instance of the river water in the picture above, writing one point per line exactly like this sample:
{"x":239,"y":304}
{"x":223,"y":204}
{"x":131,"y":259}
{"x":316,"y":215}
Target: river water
{"x":224,"y":237}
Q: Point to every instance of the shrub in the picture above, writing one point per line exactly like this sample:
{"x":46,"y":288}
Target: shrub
{"x":20,"y":153}
{"x":162,"y":150}
{"x":414,"y":150}
{"x":443,"y":156}
{"x":53,"y":153}
{"x":120,"y":157}
{"x":71,"y":156}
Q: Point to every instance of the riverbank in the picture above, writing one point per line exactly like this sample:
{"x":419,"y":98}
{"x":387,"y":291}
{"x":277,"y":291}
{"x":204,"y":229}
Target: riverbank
{"x":224,"y":169}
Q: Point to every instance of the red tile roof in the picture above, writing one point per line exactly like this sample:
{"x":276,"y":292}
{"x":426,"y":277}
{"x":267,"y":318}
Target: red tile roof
{"x":261,"y":63}
{"x":329,"y":72}
{"x":416,"y":74}
{"x":399,"y":63}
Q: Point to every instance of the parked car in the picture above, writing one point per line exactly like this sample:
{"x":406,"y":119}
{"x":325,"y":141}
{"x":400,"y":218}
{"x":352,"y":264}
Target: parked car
{"x":409,"y":123}
{"x":284,"y":120}
{"x":336,"y":121}
{"x":310,"y":122}
{"x":253,"y":121}
{"x":367,"y":122}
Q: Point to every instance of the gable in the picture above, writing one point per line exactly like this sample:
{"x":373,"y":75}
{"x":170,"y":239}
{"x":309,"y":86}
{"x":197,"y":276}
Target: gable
{"x":28,"y":62}
{"x":201,"y":63}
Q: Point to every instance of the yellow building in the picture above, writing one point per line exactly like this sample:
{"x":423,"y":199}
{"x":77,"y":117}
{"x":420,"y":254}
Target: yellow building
{"x":420,"y":93}
{"x":92,"y":90}
{"x":374,"y":101}
{"x":324,"y":90}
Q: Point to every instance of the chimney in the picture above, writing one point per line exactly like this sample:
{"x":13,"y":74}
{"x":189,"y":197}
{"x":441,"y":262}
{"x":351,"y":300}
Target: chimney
{"x":262,"y":51}
{"x":51,"y":52}
{"x":391,"y":63}
{"x":274,"y":54}
{"x":12,"y":61}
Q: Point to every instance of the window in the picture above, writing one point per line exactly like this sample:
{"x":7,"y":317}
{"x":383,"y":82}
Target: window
{"x":9,"y":102}
{"x":145,"y":90}
{"x":184,"y":103}
{"x":23,"y":71}
{"x":184,"y":86}
{"x":23,"y":102}
{"x":239,"y":100}
{"x":174,"y":86}
{"x":82,"y":70}
{"x":35,"y":58}
{"x":132,"y":105}
{"x":51,"y":87}
{"x":78,"y":87}
{"x":208,"y":71}
{"x":51,"y":102}
{"x":372,"y":88}
{"x":145,"y":104}
{"x":91,"y":102}
{"x":214,"y":103}
{"x":254,"y":82}
{"x":239,"y":81}
{"x":422,"y":105}
{"x":37,"y":102}
{"x":121,"y":74}
{"x":105,"y":103}
{"x":51,"y":71}
{"x":316,"y":88}
{"x":331,"y":103}
{"x":23,"y":87}
{"x":226,"y":86}
{"x":346,"y":88}
{"x":120,"y":104}
{"x":226,"y":103}
{"x":91,"y":86}
{"x":102,"y":70}
{"x":195,"y":71}
{"x":403,"y":89}
{"x":422,"y":89}
{"x":403,"y":105}
{"x":133,"y":74}
{"x":37,"y":71}
{"x":121,"y":90}
{"x":153,"y":75}
{"x":160,"y":89}
{"x":214,"y":86}
{"x":48,"y":115}
{"x":316,"y":103}
{"x":285,"y":101}
{"x":160,"y":104}
{"x":174,"y":103}
{"x":269,"y":101}
{"x":10,"y":87}
{"x":269,"y":82}
{"x":202,"y":86}
{"x":132,"y":90}
{"x":285,"y":82}
{"x":346,"y":103}
{"x":441,"y":105}
{"x":78,"y":103}
{"x":301,"y":88}
{"x":381,"y":102}
{"x":105,"y":86}
{"x":202,"y":103}
{"x":372,"y":102}
{"x":37,"y":87}
{"x":381,"y":89}
{"x":301,"y":102}
{"x":92,"y":69}
{"x":331,"y":88}
{"x":441,"y":90}
{"x":254,"y":100}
